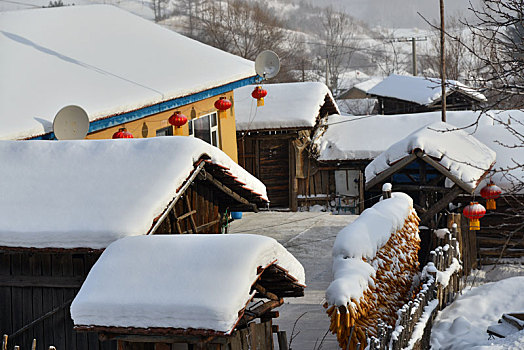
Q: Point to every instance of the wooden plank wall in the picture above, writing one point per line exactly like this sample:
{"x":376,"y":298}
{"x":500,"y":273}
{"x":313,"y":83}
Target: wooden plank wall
{"x":318,"y":188}
{"x":34,"y":283}
{"x":257,"y":336}
{"x":205,"y":200}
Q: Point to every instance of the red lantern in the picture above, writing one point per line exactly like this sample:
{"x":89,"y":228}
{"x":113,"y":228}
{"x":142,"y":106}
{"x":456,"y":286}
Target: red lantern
{"x":177,"y":119}
{"x":122,"y":133}
{"x":259,"y":94}
{"x":490,"y":192}
{"x":223,"y":104}
{"x":474,"y":211}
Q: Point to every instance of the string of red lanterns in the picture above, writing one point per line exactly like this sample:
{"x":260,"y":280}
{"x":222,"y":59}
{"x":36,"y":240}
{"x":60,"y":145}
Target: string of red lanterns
{"x":122,"y":133}
{"x":223,"y":104}
{"x":177,"y":119}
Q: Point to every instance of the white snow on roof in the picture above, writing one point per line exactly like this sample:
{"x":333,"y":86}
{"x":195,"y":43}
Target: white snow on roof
{"x":364,"y":138}
{"x":89,"y":193}
{"x":362,"y":239}
{"x":205,"y":281}
{"x":463,"y":155}
{"x":368,"y":84}
{"x":289,"y":105}
{"x":424,"y":91}
{"x":101,"y":58}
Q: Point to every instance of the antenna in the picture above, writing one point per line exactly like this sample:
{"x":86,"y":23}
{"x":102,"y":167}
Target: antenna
{"x":71,"y":123}
{"x":267,"y":64}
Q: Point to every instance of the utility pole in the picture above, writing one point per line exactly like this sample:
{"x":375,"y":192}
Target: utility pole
{"x":414,"y":55}
{"x":442,"y":62}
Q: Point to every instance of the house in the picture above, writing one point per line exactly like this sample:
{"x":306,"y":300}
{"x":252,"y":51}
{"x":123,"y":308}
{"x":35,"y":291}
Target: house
{"x":64,"y":202}
{"x":398,"y":94}
{"x":351,"y":143}
{"x":202,"y":300}
{"x":134,"y":78}
{"x":275,"y":141}
{"x":356,"y":100}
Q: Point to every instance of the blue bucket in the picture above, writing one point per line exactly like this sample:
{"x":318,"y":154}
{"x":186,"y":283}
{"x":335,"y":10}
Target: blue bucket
{"x":236,"y":215}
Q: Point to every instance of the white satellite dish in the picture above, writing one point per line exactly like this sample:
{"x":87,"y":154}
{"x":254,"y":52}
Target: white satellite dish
{"x":71,"y":123}
{"x":267,"y":64}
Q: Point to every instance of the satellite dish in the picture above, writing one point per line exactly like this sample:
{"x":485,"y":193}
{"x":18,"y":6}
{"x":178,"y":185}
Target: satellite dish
{"x":71,"y":123}
{"x":267,"y":64}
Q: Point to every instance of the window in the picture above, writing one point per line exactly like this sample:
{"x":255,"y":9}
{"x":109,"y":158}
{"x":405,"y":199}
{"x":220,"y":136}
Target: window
{"x":168,"y":131}
{"x":205,"y":128}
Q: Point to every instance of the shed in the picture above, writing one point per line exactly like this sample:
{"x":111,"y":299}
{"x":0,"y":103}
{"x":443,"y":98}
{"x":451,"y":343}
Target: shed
{"x":399,"y":94}
{"x":134,"y":78}
{"x":203,"y":298}
{"x":276,"y":141}
{"x":64,"y":202}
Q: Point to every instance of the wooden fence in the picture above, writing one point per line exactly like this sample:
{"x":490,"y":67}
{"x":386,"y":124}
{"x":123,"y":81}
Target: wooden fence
{"x":442,"y":281}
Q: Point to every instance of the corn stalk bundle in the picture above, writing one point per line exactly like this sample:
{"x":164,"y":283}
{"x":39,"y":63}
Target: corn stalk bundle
{"x":376,"y":284}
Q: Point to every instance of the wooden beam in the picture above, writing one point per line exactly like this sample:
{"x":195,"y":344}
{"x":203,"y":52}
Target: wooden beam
{"x":138,"y":338}
{"x":390,"y":171}
{"x":443,"y":170}
{"x":265,"y":292}
{"x":260,"y":310}
{"x":191,"y":218}
{"x":182,"y":217}
{"x":441,"y":204}
{"x":42,"y":281}
{"x":207,"y":176}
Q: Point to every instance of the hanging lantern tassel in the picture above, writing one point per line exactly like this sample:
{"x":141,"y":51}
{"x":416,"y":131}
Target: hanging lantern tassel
{"x":474,"y":211}
{"x":490,"y":192}
{"x":222,"y":104}
{"x":259,"y":94}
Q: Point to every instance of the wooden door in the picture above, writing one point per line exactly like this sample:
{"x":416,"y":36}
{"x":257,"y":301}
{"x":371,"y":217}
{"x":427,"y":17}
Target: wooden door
{"x":274,"y":171}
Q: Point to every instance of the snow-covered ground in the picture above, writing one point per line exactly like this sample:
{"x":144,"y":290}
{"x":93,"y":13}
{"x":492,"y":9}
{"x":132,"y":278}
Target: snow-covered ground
{"x":309,"y":237}
{"x":463,"y":324}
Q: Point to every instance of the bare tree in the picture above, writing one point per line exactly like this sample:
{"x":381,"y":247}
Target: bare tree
{"x":159,"y":9}
{"x":339,"y":44}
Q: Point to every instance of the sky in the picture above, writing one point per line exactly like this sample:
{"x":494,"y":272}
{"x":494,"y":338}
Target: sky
{"x":399,"y":13}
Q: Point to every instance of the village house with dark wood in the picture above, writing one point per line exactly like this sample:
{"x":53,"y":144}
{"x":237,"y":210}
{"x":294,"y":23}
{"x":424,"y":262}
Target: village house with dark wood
{"x":64,"y":202}
{"x":399,"y":94}
{"x":276,"y":141}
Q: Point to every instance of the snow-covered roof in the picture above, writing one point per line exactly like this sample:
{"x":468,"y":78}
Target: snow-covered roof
{"x":89,"y":193}
{"x":367,"y":85}
{"x":364,"y":138}
{"x":424,"y":91}
{"x":289,"y":105}
{"x":82,"y":55}
{"x":205,"y":281}
{"x":465,"y":157}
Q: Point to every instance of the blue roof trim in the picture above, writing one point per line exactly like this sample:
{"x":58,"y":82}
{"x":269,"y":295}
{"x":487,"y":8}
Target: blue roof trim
{"x":159,"y":107}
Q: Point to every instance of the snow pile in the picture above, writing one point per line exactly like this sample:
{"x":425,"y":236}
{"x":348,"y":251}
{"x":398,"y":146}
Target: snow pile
{"x":462,"y":154}
{"x":140,"y":66}
{"x":364,"y":138}
{"x":89,"y":193}
{"x":289,"y":105}
{"x":463,"y":324}
{"x":424,"y":91}
{"x":205,"y":281}
{"x":374,"y":261}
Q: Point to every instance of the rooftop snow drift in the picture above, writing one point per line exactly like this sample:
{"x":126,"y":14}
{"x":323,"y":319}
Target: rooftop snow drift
{"x":87,"y":194}
{"x":205,"y":282}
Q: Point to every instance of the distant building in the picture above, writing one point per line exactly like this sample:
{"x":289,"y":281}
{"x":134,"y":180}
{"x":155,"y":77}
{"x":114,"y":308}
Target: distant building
{"x":399,"y":94}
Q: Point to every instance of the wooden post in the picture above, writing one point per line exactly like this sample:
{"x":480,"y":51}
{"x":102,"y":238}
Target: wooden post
{"x":442,"y":61}
{"x":4,"y":342}
{"x":33,"y":345}
{"x":282,"y":340}
{"x":386,"y":191}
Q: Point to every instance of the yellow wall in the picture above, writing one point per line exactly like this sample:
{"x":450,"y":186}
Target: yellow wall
{"x":147,"y":127}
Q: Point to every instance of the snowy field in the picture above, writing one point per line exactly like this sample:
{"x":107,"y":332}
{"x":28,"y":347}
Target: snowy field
{"x":309,"y":237}
{"x":463,"y":324}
